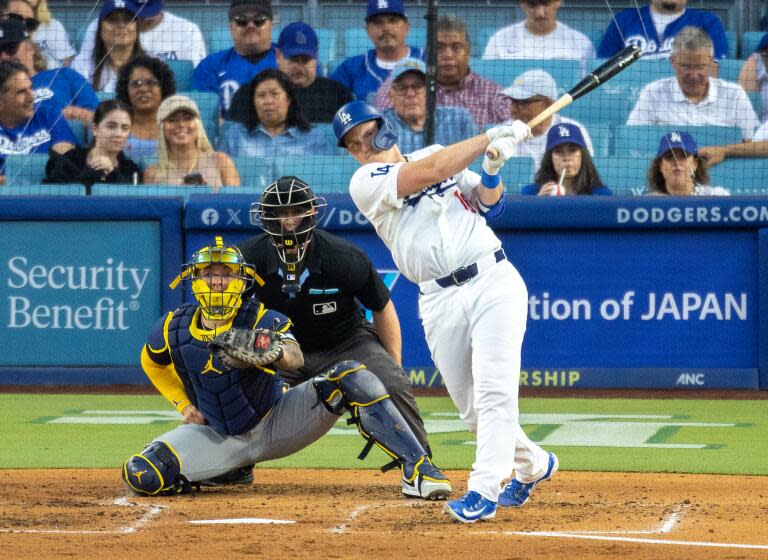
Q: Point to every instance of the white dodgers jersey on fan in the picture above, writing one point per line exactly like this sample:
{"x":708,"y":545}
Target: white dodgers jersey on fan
{"x":430,"y":233}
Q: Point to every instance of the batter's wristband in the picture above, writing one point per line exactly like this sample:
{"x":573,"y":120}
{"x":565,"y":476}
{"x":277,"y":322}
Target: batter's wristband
{"x":489,"y":181}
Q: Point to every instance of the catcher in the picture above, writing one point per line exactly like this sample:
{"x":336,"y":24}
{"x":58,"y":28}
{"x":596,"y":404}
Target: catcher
{"x":218,"y":361}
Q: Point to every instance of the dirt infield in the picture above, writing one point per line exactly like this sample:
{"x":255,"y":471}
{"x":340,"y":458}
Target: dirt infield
{"x":360,"y":514}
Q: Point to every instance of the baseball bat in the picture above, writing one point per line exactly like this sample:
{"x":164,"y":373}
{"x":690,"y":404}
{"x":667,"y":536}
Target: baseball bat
{"x":597,"y":77}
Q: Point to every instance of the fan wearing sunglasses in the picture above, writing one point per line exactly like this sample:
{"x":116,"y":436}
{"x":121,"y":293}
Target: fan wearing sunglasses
{"x":223,"y":72}
{"x":47,"y":33}
{"x":64,"y":90}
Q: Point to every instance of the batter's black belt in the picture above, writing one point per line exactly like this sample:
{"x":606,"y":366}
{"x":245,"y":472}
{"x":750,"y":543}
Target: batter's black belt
{"x":466,"y":273}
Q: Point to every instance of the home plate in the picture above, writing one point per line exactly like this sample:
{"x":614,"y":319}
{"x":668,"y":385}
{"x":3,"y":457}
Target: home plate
{"x":242,"y":521}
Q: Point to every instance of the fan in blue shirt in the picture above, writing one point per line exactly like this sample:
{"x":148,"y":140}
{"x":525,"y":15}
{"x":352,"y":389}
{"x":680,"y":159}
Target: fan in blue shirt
{"x":387,"y":27}
{"x":223,"y":72}
{"x":24,"y":130}
{"x":638,"y":27}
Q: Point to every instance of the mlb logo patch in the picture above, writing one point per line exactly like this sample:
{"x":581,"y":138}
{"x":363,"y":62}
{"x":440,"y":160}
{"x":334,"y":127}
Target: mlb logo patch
{"x":324,"y":308}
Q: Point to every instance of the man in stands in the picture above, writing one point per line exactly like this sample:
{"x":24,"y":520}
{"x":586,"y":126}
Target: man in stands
{"x":223,"y":72}
{"x":387,"y":27}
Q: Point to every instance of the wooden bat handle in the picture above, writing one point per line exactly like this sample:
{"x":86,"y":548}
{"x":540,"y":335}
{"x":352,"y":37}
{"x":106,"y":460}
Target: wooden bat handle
{"x":563,"y":101}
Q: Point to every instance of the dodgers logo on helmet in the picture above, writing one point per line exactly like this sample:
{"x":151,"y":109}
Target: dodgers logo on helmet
{"x":357,"y":112}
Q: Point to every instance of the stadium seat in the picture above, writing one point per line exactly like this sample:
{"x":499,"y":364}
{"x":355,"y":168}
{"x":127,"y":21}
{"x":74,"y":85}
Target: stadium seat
{"x":147,"y":190}
{"x":623,"y":175}
{"x":25,"y":169}
{"x":208,"y":104}
{"x":601,"y":106}
{"x":79,"y":130}
{"x":638,"y":75}
{"x":218,"y":38}
{"x":757,"y":103}
{"x":749,"y":42}
{"x":480,"y":39}
{"x":42,"y":190}
{"x":565,"y":72}
{"x":255,"y":172}
{"x":733,"y":43}
{"x":516,"y":173}
{"x":105,"y":95}
{"x":600,"y":133}
{"x":741,"y":176}
{"x":330,"y":136}
{"x":182,"y":71}
{"x":326,"y":174}
{"x":643,"y":141}
{"x":729,"y":69}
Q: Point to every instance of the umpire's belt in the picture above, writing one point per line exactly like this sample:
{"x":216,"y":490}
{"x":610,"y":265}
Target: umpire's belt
{"x":465,"y":273}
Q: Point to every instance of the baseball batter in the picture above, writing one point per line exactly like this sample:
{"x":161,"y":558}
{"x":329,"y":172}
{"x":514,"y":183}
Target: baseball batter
{"x":218,"y":359}
{"x":430,"y":211}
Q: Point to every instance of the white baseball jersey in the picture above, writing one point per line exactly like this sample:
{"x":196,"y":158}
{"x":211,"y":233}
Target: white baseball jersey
{"x":430,"y":233}
{"x":174,"y":38}
{"x":516,"y":41}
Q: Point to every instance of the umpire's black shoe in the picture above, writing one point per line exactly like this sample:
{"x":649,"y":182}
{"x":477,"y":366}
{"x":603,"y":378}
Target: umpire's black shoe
{"x":241,"y":476}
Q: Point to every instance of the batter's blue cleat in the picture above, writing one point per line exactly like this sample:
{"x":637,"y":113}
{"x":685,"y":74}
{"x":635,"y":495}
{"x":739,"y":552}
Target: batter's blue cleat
{"x":516,"y":493}
{"x":471,"y":507}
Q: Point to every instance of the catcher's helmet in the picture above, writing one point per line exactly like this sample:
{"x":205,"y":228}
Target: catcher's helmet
{"x":288,"y":211}
{"x":356,"y":112}
{"x":217,"y":302}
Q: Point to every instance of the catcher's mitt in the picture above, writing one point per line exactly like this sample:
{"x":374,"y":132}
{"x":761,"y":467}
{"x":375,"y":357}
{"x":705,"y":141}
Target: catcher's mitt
{"x":239,"y":348}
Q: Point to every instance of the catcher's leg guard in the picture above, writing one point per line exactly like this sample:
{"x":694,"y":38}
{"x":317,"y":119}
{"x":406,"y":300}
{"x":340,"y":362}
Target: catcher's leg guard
{"x":349,"y":385}
{"x":156,"y":470}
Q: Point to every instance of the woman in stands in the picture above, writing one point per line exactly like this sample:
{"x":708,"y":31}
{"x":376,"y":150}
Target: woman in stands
{"x":103,"y":160}
{"x":116,"y":42}
{"x":48,"y":33}
{"x":275,"y":126}
{"x":677,"y":169}
{"x":566,"y":167}
{"x":184,"y":154}
{"x":143,"y":83}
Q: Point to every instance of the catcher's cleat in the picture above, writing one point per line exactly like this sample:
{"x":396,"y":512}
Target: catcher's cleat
{"x":516,"y":493}
{"x":241,"y":476}
{"x":471,"y":507}
{"x":424,"y":480}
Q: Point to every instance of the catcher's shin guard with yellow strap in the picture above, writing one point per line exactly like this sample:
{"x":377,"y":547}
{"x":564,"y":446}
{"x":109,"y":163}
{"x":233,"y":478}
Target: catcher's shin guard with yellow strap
{"x":350,"y":385}
{"x":156,"y":470}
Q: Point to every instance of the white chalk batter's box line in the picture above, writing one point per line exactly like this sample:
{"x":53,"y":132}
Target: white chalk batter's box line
{"x":665,"y":527}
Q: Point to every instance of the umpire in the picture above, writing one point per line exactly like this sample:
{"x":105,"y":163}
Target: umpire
{"x":317,"y":279}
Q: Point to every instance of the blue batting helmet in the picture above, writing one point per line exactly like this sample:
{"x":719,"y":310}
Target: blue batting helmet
{"x":356,"y":112}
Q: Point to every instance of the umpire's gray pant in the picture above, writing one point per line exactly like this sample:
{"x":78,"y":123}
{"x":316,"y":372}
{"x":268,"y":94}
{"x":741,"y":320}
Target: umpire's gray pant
{"x":297,"y":420}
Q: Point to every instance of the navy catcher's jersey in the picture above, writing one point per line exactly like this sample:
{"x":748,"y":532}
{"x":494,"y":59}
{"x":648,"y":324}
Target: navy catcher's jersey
{"x":232,"y":400}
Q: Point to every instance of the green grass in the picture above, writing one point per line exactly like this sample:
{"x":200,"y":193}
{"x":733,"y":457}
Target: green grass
{"x":738,"y":446}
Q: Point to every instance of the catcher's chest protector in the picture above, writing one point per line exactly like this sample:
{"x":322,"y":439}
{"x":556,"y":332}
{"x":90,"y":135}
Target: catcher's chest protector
{"x":232,"y":400}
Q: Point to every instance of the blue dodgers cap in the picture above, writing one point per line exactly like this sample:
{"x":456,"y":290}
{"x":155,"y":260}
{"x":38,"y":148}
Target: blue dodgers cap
{"x":148,"y":8}
{"x":565,"y":133}
{"x":408,"y":65}
{"x":376,"y":7}
{"x":298,"y":39}
{"x":677,"y":140}
{"x":763,"y":44}
{"x":113,"y":5}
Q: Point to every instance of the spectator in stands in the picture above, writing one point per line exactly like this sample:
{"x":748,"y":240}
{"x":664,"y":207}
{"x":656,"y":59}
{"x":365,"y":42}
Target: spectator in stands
{"x":693,"y":97}
{"x":116,"y":42}
{"x":754,"y":73}
{"x":457,"y":85}
{"x":297,"y":51}
{"x":66,"y":91}
{"x":408,"y":113}
{"x":387,"y":27}
{"x":48,"y":33}
{"x":143,"y":84}
{"x":250,"y":25}
{"x":163,"y":35}
{"x":677,"y":169}
{"x":103,"y":160}
{"x":184,"y":153}
{"x":276,"y":125}
{"x":531,"y":93}
{"x":24,"y":130}
{"x":654,"y":27}
{"x":566,"y":168}
{"x":540,"y":35}
{"x":757,"y":148}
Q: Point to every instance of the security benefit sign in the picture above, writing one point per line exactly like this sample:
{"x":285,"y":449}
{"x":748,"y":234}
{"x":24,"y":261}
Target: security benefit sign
{"x":78,"y":293}
{"x":674,"y":308}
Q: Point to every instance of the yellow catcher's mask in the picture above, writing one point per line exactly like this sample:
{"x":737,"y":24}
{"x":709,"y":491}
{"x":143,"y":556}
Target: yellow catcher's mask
{"x":218,"y":291}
